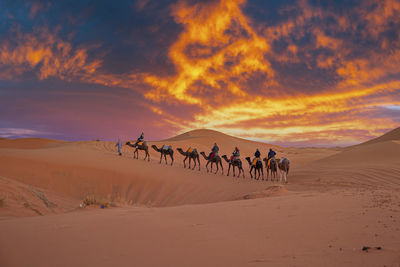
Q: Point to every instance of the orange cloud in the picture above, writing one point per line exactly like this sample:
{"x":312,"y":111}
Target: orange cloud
{"x":217,"y":47}
{"x":282,"y":119}
{"x":386,"y":13}
{"x":45,"y":51}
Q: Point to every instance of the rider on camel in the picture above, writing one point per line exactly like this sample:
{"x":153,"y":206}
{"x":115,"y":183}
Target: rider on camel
{"x":235,"y":154}
{"x":140,"y":139}
{"x":271,"y":155}
{"x":214,"y":151}
{"x":256,"y":157}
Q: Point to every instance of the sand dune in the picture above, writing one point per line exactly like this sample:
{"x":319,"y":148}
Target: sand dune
{"x":337,"y":200}
{"x":380,"y":152}
{"x":392,"y":135}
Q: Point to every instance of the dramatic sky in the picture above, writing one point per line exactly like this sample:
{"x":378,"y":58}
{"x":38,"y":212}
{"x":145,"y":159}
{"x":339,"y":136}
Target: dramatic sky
{"x":305,"y":72}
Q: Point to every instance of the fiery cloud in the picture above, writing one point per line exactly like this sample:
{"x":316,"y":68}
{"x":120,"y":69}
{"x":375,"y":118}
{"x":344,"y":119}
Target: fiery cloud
{"x":44,"y":51}
{"x":301,"y":74}
{"x":217,"y":49}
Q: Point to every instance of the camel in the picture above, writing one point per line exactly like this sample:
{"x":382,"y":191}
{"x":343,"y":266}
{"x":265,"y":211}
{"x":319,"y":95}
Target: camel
{"x":283,"y":165}
{"x":234,"y":163}
{"x":142,"y":146}
{"x":272,"y":168}
{"x":191,"y":155}
{"x":165,"y":150}
{"x":258,"y":167}
{"x":216,"y":159}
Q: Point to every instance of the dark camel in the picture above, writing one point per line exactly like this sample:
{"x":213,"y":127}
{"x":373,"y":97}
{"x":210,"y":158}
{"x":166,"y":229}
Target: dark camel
{"x":216,"y":159}
{"x":273,"y":168}
{"x":143,"y":146}
{"x":165,"y":152}
{"x":258,"y":167}
{"x":234,"y":163}
{"x":191,"y":155}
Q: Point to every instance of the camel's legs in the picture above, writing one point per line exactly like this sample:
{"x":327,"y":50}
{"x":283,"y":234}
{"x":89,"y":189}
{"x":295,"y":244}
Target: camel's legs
{"x":229,"y":168}
{"x":165,"y":157}
{"x":262,"y":172}
{"x":194,"y":165}
{"x":198,"y":160}
{"x":172,"y":159}
{"x":207,"y":166}
{"x":217,"y":168}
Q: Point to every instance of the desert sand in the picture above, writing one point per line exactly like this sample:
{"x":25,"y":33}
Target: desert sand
{"x":337,"y":201}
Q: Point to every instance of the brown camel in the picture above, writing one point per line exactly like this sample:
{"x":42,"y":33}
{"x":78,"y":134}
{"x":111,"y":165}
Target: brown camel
{"x":191,"y":155}
{"x":234,"y":163}
{"x":283,"y":165}
{"x":165,"y":150}
{"x":271,"y":168}
{"x":258,"y":167}
{"x":142,"y":146}
{"x":216,"y":159}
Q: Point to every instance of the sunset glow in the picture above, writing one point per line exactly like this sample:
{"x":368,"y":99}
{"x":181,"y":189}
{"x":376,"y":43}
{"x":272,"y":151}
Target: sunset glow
{"x":299,"y":73}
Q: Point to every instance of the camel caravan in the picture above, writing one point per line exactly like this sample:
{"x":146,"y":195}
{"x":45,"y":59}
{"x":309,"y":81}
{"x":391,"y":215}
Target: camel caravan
{"x":272,"y":164}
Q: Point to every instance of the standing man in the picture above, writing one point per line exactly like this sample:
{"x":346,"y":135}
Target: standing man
{"x":119,"y":145}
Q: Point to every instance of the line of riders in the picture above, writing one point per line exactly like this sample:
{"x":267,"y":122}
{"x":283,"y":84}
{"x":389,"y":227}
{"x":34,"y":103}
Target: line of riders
{"x":272,"y":164}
